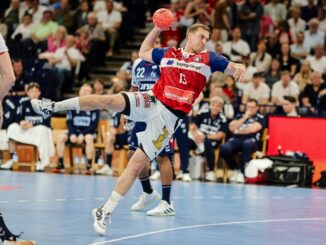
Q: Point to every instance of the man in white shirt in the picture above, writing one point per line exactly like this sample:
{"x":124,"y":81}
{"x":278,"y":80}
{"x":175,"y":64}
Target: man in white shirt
{"x":314,"y":36}
{"x":236,"y":48}
{"x":36,"y":10}
{"x":276,"y":10}
{"x":298,"y":49}
{"x":318,"y":61}
{"x":284,"y":87}
{"x":296,"y":23}
{"x":257,"y":90}
{"x":110,"y":21}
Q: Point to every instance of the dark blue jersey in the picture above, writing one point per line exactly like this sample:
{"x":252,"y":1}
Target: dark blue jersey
{"x":82,"y":122}
{"x":26,"y":112}
{"x":116,"y":123}
{"x":144,"y":75}
{"x":210,"y":125}
{"x":256,"y":118}
{"x":9,"y":112}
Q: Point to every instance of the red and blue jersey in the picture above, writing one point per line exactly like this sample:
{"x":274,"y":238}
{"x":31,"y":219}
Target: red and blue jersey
{"x":184,"y":75}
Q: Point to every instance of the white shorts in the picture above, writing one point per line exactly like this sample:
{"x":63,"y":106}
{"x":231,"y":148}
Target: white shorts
{"x":161,"y":122}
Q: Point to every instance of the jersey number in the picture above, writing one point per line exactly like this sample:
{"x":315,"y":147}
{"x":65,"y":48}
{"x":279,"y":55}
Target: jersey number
{"x":140,"y":72}
{"x":183,"y":79}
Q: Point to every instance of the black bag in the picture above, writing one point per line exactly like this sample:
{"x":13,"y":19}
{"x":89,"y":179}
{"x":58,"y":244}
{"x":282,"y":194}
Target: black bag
{"x":287,"y":170}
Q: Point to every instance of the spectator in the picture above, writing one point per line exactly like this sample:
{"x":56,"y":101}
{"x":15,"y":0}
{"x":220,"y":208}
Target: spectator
{"x":57,"y":39}
{"x":284,"y":87}
{"x":298,"y":50}
{"x":215,"y":38}
{"x":110,"y":20}
{"x":18,"y":90}
{"x":251,"y":14}
{"x":63,"y":15}
{"x":322,"y":19}
{"x":245,"y":129}
{"x":318,"y":61}
{"x":287,"y":62}
{"x":312,"y":91}
{"x":36,"y":10}
{"x":296,"y":23}
{"x":82,"y":128}
{"x":309,"y":11}
{"x":221,"y":18}
{"x":207,"y":131}
{"x":127,"y":66}
{"x":260,"y":59}
{"x":257,"y":90}
{"x":303,"y":77}
{"x":96,"y":39}
{"x":274,"y":74}
{"x":236,"y":48}
{"x":13,"y":16}
{"x":24,"y":29}
{"x":273,"y":44}
{"x":276,"y":10}
{"x":313,"y":36}
{"x":80,"y":15}
{"x":284,"y":35}
{"x":200,"y":11}
{"x":289,"y":106}
{"x":249,"y":73}
{"x":231,"y":91}
{"x":32,"y":129}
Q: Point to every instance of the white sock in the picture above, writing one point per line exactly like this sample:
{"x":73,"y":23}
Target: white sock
{"x":112,"y":202}
{"x":69,"y":104}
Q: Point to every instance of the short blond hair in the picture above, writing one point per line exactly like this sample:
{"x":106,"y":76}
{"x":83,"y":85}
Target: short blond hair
{"x":193,"y":28}
{"x":217,"y":99}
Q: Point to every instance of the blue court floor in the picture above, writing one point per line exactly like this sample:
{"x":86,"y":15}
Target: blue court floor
{"x":56,"y":209}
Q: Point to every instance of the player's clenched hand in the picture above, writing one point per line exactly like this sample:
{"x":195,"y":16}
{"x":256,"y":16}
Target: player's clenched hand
{"x":240,"y":70}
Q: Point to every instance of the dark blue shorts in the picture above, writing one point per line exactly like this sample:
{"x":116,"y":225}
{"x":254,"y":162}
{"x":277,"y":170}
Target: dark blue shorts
{"x":133,"y":141}
{"x":121,"y":140}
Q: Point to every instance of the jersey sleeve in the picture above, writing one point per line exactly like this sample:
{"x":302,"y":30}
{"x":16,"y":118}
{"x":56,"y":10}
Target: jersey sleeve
{"x":218,"y":62}
{"x":157,"y":54}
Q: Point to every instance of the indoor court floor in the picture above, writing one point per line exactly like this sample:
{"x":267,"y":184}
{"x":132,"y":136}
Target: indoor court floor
{"x":56,"y":210}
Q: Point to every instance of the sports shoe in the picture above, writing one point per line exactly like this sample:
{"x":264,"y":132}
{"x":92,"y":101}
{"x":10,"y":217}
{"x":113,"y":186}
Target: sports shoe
{"x":8,"y":164}
{"x":241,"y":178}
{"x":210,"y":176}
{"x":163,"y":209}
{"x":234,"y":176}
{"x":39,"y":167}
{"x":179,"y":176}
{"x":186,"y":177}
{"x":19,"y":242}
{"x":106,"y":170}
{"x":155,"y":176}
{"x":59,"y":169}
{"x":145,"y":199}
{"x":101,"y":220}
{"x":43,"y":107}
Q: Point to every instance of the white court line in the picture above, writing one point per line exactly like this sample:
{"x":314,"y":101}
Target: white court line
{"x":207,"y":225}
{"x":22,"y":201}
{"x":4,"y":201}
{"x":42,"y":200}
{"x":61,"y":200}
{"x":79,"y":199}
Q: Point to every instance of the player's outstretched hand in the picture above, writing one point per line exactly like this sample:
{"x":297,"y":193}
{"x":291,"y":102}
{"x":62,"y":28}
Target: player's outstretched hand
{"x":240,"y":70}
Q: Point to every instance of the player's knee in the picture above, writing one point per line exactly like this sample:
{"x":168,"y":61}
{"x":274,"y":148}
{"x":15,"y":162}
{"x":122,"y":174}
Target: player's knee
{"x":136,"y":168}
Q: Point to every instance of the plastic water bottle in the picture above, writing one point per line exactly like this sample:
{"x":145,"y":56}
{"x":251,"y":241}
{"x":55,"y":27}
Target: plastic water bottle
{"x":76,"y":160}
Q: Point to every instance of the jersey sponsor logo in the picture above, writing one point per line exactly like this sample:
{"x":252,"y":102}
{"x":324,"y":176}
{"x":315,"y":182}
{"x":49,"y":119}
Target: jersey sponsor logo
{"x":170,"y":62}
{"x":82,"y":121}
{"x":159,"y":141}
{"x":147,"y":100}
{"x":179,"y":95}
{"x":137,"y":99}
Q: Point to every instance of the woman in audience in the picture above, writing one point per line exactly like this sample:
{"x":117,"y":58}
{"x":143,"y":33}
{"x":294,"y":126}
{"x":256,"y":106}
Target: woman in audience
{"x":303,"y":77}
{"x":274,"y":74}
{"x":57,"y":40}
{"x":287,"y":61}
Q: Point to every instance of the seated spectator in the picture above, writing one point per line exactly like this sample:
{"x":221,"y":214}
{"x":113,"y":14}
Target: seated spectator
{"x":82,"y":128}
{"x":287,"y":62}
{"x":312,"y":91}
{"x":206,"y":132}
{"x":274,"y":74}
{"x":9,"y":114}
{"x":309,"y":10}
{"x":36,"y":10}
{"x":110,"y":21}
{"x":24,"y":29}
{"x":117,"y":137}
{"x":314,"y":36}
{"x":276,"y":10}
{"x":214,"y":39}
{"x":57,"y":39}
{"x":32,"y":129}
{"x":18,"y":91}
{"x":249,"y":73}
{"x":273,"y":44}
{"x":303,"y":77}
{"x":318,"y":61}
{"x":284,"y":87}
{"x":96,"y":40}
{"x":221,"y":19}
{"x":236,"y":48}
{"x":13,"y":16}
{"x":127,"y":66}
{"x":63,"y":15}
{"x":298,"y":50}
{"x":283,"y":31}
{"x":80,"y":15}
{"x":296,"y":23}
{"x":257,"y":90}
{"x":246,"y":130}
{"x":200,"y":11}
{"x":289,"y":106}
{"x":232,"y":92}
{"x":322,"y":19}
{"x":260,"y":59}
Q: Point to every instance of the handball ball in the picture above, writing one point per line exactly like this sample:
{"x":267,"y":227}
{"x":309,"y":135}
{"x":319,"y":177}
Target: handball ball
{"x":163,"y":18}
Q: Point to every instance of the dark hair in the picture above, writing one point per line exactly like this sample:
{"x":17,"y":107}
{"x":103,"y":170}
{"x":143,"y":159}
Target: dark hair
{"x":291,"y":99}
{"x":253,"y":101}
{"x":16,"y":60}
{"x":100,"y":81}
{"x":33,"y":85}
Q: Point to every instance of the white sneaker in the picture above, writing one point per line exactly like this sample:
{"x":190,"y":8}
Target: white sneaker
{"x":240,"y":178}
{"x":155,"y":176}
{"x":39,"y":167}
{"x":8,"y":164}
{"x":186,"y":177}
{"x":101,"y":220}
{"x":43,"y":107}
{"x":234,"y":176}
{"x":210,"y":176}
{"x":179,"y":176}
{"x":106,"y":170}
{"x":145,"y":199}
{"x":163,"y":209}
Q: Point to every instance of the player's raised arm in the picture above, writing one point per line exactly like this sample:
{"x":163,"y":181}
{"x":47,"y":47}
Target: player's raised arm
{"x":145,"y":51}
